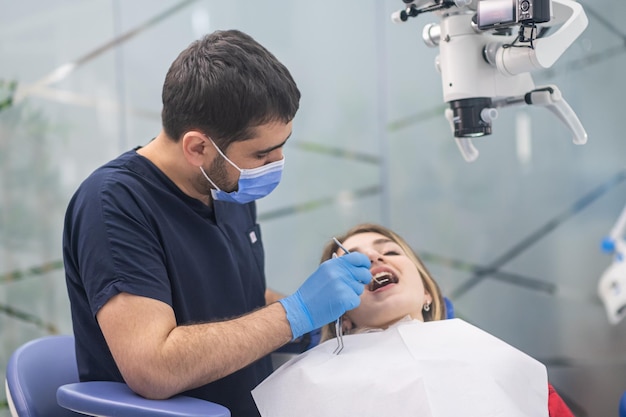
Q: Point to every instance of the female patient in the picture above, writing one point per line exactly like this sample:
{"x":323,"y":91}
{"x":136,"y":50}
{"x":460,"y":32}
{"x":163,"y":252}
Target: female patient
{"x":394,"y":363}
{"x":401,"y":289}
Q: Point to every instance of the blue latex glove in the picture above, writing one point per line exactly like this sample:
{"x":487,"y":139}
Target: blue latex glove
{"x":330,"y":291}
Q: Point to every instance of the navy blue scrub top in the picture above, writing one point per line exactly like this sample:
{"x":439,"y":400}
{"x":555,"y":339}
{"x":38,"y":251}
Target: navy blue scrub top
{"x":129,"y":228}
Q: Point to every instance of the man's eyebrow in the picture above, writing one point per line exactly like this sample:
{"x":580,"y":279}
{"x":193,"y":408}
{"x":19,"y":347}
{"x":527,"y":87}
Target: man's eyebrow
{"x":270,"y":149}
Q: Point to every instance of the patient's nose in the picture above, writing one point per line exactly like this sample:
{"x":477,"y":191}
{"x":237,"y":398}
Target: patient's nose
{"x":373,"y":255}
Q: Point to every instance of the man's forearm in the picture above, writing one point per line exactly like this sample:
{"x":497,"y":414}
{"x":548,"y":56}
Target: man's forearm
{"x":158,"y":362}
{"x":199,"y":354}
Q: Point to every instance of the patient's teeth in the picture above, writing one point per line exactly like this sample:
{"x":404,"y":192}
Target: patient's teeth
{"x":380,"y":279}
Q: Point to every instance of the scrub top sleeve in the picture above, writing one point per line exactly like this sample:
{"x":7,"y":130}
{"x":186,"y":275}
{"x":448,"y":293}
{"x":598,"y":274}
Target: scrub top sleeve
{"x":118,"y":246}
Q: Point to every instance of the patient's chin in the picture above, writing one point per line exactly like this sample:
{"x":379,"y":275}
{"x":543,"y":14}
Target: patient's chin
{"x":383,"y":321}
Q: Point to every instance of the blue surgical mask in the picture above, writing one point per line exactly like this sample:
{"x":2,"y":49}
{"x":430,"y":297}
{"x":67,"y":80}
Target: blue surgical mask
{"x":254,"y":183}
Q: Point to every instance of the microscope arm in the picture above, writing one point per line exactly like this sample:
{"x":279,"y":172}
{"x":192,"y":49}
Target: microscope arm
{"x":516,"y":60}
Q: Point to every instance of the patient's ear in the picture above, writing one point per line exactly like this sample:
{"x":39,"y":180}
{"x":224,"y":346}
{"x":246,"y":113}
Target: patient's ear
{"x":428,"y":299}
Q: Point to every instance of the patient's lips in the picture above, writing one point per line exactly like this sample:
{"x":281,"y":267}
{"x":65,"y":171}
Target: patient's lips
{"x":382,"y":278}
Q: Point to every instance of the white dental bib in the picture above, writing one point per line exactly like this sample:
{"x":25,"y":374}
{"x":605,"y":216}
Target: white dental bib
{"x":446,"y":368}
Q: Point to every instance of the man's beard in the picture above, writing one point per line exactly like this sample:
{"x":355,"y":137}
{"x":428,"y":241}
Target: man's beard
{"x":219,"y":175}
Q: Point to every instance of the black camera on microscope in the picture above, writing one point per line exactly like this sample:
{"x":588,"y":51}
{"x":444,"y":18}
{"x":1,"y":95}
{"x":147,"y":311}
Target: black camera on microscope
{"x":493,"y":14}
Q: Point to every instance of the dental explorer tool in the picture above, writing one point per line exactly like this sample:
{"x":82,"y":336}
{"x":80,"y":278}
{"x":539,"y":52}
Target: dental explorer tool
{"x":338,"y":324}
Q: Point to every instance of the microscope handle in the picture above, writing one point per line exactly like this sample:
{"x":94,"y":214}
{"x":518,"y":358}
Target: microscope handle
{"x":469,"y":152}
{"x":565,"y":113}
{"x":552,"y":98}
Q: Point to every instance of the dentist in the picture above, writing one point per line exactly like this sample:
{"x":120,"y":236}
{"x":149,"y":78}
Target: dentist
{"x":163,"y":253}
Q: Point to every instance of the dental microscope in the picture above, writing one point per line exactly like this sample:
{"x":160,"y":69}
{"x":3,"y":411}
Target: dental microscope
{"x":487,"y":49}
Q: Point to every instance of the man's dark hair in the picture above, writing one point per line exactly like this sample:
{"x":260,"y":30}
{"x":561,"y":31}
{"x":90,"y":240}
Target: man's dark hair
{"x":225,"y":85}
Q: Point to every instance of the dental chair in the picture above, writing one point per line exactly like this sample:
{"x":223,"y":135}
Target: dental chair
{"x":42,"y":381}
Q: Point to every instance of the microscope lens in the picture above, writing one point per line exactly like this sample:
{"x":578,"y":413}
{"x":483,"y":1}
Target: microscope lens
{"x":467,"y":120}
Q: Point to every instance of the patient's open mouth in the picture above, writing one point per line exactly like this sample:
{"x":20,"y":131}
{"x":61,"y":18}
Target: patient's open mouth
{"x":382,"y":279}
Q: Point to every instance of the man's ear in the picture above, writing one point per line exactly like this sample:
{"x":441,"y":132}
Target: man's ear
{"x":196,"y":147}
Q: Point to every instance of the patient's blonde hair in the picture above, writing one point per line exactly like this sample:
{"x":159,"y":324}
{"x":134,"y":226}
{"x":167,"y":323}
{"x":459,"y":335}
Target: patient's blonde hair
{"x":437,"y":308}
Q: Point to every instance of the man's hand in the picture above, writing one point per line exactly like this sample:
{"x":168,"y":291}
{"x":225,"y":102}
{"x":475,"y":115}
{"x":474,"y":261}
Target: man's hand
{"x":330,"y":291}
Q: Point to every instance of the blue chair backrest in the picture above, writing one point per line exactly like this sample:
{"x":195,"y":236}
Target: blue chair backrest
{"x":34,"y":372}
{"x":622,"y":405}
{"x":38,"y":368}
{"x":449,"y":308}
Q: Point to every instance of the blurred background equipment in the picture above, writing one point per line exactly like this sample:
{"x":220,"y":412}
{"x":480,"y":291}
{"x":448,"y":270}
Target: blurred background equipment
{"x":612,"y":284}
